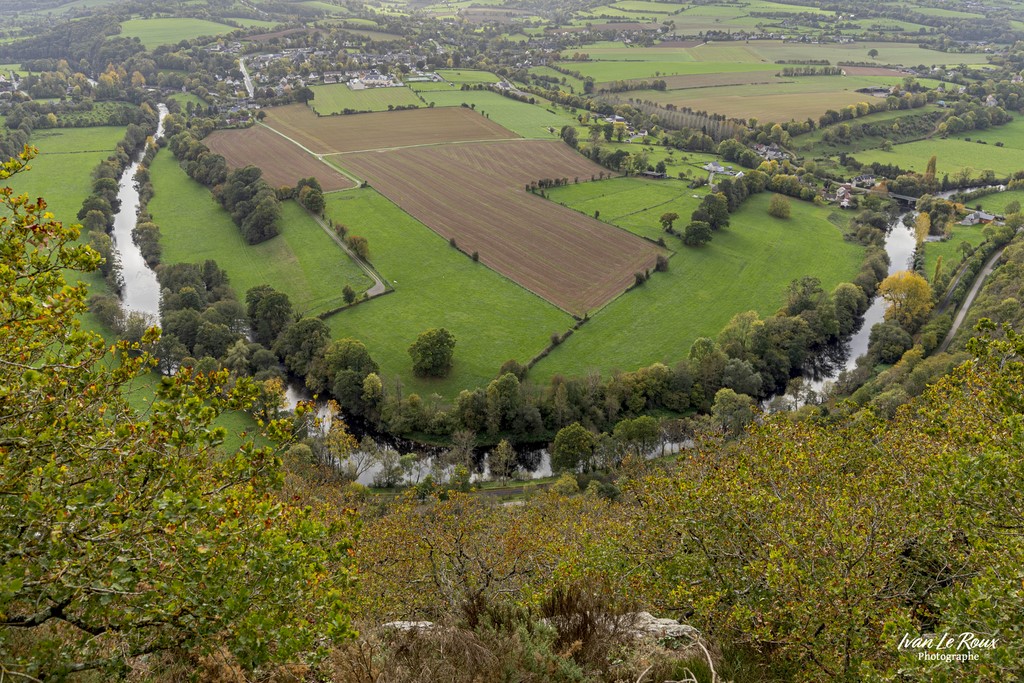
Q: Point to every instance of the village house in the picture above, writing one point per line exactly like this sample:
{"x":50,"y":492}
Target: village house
{"x":977,"y":217}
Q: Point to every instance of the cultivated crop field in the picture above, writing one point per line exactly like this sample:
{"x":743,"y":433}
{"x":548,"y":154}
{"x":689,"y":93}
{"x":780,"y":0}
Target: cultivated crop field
{"x":282,"y":161}
{"x":784,"y":99}
{"x":363,"y":132}
{"x":475,"y":194}
{"x":303,"y":261}
{"x":747,"y":266}
{"x":337,"y":97}
{"x":154,"y":32}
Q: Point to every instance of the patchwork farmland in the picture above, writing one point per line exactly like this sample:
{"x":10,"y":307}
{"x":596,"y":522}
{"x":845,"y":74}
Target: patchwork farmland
{"x":474,"y":194}
{"x":336,"y":134}
{"x":282,"y":162}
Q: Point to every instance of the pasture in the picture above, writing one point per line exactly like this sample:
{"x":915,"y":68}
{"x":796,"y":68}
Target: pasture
{"x":996,"y":203}
{"x":493,"y":319}
{"x":475,"y":194}
{"x":747,"y":266}
{"x":618,"y":62}
{"x":635,"y":204}
{"x":303,"y":261}
{"x":953,"y":156}
{"x":61,"y":172}
{"x":1010,"y":134}
{"x":616,"y":70}
{"x":522,"y":118}
{"x":470,"y":76}
{"x":283,"y":162}
{"x":951,"y":250}
{"x":364,"y":132}
{"x":168,"y":31}
{"x":337,"y":97}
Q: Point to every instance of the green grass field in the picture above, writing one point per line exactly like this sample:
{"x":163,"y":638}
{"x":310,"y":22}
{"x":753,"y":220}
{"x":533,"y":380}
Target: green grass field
{"x":570,"y":81}
{"x":953,"y":156}
{"x":812,"y":143}
{"x":635,"y":204}
{"x":950,"y":249}
{"x":1010,"y":134}
{"x":61,"y":172}
{"x":183,"y":98}
{"x":996,"y":203}
{"x":336,"y":98}
{"x":732,"y":56}
{"x":492,"y":318}
{"x":614,"y":70}
{"x":460,"y":76}
{"x":527,"y":120}
{"x":746,"y":267}
{"x":303,"y":261}
{"x":154,"y":32}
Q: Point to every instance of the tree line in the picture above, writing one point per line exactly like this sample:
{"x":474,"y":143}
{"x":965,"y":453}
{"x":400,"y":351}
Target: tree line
{"x":250,"y":200}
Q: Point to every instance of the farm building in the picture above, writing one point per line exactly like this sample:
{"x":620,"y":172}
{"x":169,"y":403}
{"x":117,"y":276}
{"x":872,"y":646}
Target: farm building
{"x":977,"y":217}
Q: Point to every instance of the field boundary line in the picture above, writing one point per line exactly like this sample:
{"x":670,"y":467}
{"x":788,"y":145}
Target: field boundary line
{"x":427,"y":144}
{"x":318,"y":157}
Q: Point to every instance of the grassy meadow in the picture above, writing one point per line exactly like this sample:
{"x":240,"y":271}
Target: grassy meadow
{"x":527,"y":120}
{"x":747,"y":266}
{"x":337,"y":97}
{"x":635,"y":204}
{"x":168,"y":31}
{"x":303,"y":261}
{"x":493,"y":319}
{"x":996,"y":203}
{"x":951,"y":250}
{"x":61,"y":172}
{"x":953,"y":156}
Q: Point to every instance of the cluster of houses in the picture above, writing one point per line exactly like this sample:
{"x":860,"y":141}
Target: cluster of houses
{"x":632,"y":133}
{"x":8,"y":85}
{"x":770,"y":152}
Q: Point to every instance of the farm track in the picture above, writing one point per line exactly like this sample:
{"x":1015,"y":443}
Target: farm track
{"x":378,"y":284}
{"x":966,"y":305}
{"x":281,"y":159}
{"x":318,"y":157}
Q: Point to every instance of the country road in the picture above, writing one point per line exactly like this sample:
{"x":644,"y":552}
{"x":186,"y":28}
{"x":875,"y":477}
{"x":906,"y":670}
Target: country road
{"x":966,"y":305}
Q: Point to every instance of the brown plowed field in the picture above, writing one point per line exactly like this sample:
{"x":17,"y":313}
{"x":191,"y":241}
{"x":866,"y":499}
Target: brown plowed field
{"x":475,"y":193}
{"x":283,"y":162}
{"x":358,"y":132}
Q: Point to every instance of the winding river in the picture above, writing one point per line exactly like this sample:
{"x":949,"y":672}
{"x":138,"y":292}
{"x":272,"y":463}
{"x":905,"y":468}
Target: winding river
{"x":141,"y":291}
{"x":900,"y":242}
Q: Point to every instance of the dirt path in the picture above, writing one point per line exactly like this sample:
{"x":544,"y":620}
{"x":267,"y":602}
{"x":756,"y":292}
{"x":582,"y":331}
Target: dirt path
{"x":378,"y":285}
{"x":966,"y":305}
{"x":319,"y":157}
